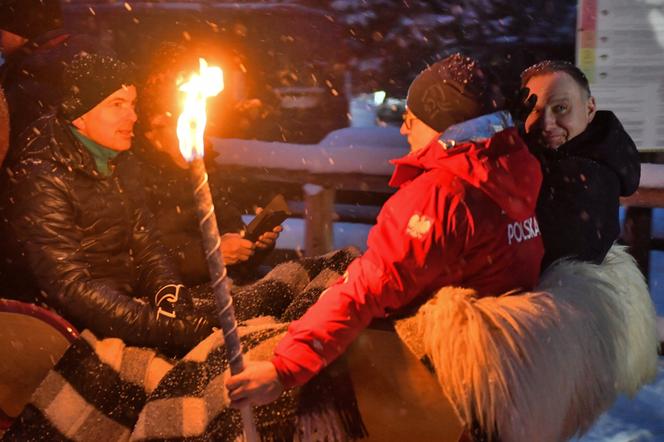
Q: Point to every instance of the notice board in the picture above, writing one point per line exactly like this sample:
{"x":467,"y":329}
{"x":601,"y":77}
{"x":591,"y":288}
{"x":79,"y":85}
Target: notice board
{"x":620,"y":47}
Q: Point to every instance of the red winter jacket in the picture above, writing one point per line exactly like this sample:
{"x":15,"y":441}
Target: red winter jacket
{"x":464,"y":216}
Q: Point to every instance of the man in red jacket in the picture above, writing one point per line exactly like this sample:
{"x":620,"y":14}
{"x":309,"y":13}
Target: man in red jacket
{"x":464,"y":215}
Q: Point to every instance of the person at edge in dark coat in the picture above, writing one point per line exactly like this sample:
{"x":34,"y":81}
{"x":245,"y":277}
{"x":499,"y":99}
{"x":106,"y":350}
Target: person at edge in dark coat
{"x":36,"y":48}
{"x":74,"y":231}
{"x":464,"y":215}
{"x":588,"y":162}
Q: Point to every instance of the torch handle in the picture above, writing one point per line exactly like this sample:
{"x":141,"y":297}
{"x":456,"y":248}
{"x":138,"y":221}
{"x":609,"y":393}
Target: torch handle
{"x":212,"y":246}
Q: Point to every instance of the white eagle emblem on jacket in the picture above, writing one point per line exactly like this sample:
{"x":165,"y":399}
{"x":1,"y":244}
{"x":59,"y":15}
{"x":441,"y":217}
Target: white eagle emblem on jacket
{"x":418,"y":226}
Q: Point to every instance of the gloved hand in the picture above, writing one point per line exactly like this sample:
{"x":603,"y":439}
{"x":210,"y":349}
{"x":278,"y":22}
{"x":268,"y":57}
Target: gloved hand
{"x":166,"y":300}
{"x":204,"y":302}
{"x":520,"y":106}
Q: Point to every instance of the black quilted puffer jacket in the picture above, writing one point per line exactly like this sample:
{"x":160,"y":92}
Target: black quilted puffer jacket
{"x":92,"y":253}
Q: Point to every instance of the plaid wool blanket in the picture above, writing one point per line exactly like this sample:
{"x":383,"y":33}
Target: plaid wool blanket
{"x":102,"y":390}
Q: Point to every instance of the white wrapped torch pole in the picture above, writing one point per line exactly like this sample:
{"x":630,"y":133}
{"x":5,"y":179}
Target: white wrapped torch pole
{"x":191,"y":127}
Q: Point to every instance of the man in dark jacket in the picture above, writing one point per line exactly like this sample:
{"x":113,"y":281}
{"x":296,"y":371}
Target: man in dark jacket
{"x":93,"y":253}
{"x":588,"y":162}
{"x":35,"y":48}
{"x":160,"y":178}
{"x":167,"y":192}
{"x":164,"y":177}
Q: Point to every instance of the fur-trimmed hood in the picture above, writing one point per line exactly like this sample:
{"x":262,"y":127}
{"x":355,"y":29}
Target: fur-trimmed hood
{"x":485,"y":152}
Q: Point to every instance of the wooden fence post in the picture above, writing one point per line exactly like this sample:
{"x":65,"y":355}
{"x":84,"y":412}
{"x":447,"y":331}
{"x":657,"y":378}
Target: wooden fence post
{"x":637,"y":231}
{"x":318,"y":215}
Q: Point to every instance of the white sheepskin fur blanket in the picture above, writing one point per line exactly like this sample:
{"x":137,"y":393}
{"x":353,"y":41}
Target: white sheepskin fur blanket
{"x":542,"y":365}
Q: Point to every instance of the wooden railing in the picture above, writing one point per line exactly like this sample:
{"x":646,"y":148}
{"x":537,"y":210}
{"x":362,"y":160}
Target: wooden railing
{"x":638,"y":219}
{"x":323,"y":198}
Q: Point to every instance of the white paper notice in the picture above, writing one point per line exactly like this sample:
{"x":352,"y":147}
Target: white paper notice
{"x":620,"y":47}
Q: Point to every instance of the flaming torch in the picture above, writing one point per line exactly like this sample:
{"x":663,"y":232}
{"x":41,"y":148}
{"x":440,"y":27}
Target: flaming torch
{"x":208,"y":82}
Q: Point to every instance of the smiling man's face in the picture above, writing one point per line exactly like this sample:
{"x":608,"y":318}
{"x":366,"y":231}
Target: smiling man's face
{"x":563,"y":110}
{"x":111,"y":122}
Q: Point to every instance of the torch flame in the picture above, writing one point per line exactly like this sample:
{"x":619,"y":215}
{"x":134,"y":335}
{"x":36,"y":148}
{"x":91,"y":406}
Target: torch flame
{"x":191,"y":123}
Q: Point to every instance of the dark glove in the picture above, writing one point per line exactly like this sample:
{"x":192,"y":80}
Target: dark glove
{"x":204,"y":303}
{"x":520,"y":106}
{"x":173,"y":301}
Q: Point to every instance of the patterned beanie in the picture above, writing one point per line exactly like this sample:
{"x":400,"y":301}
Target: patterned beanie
{"x":448,"y":92}
{"x":89,"y":79}
{"x":30,"y":18}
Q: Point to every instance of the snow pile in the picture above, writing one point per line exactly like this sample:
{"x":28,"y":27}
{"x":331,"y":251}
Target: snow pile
{"x":388,"y":137}
{"x":652,"y":175}
{"x":351,"y":150}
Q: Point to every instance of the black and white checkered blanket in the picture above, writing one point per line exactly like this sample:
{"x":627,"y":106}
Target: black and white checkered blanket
{"x":102,"y":390}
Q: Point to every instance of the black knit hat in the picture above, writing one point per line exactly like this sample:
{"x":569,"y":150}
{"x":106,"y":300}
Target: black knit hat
{"x":89,"y":79}
{"x":30,"y":18}
{"x":448,"y":92}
